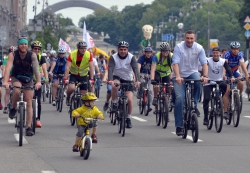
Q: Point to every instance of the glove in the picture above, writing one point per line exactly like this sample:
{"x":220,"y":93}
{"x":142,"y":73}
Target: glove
{"x":153,"y":82}
{"x":50,"y":73}
{"x":65,"y":80}
{"x":91,"y":81}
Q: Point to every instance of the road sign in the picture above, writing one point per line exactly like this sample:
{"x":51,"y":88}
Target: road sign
{"x":247,"y":19}
{"x":167,"y":37}
{"x":247,"y":34}
{"x":33,"y":36}
{"x":2,"y":43}
{"x":247,"y":26}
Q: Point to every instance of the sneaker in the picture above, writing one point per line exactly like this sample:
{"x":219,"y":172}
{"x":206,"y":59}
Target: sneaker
{"x":68,"y":101}
{"x":53,"y":102}
{"x":5,"y":110}
{"x":75,"y":148}
{"x":38,"y":124}
{"x":29,"y":132}
{"x":12,"y":113}
{"x":197,"y":112}
{"x":129,"y":124}
{"x":114,"y":107}
{"x":205,"y":122}
{"x":154,"y":101}
{"x":1,"y":106}
{"x":179,"y":131}
{"x":106,"y":106}
{"x":94,"y":138}
{"x":138,"y":95}
{"x":226,"y":116}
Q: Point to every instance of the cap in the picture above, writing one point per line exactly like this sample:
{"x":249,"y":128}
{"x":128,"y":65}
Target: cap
{"x":216,"y":49}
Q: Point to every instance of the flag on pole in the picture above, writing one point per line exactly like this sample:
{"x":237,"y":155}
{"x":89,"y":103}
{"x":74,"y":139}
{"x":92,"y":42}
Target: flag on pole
{"x":62,"y":43}
{"x":87,"y":38}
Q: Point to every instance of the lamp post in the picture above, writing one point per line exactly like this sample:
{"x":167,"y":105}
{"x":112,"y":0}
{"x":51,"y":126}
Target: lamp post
{"x":158,"y":30}
{"x":208,"y":27}
{"x":182,"y":12}
{"x":194,"y":6}
{"x":170,"y":19}
{"x":180,"y":35}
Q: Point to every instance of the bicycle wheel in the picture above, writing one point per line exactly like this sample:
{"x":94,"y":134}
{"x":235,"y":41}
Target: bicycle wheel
{"x":248,"y":95}
{"x":86,"y":149}
{"x":185,"y":130}
{"x":72,"y":119}
{"x":218,"y":114}
{"x":21,"y":117}
{"x":61,"y":99}
{"x":57,"y":99}
{"x":241,"y":103}
{"x":146,"y":103}
{"x":34,"y":106}
{"x":158,"y":112}
{"x":111,"y":117}
{"x":194,"y":127}
{"x":165,"y":113}
{"x":236,"y":115}
{"x":50,"y":93}
{"x":210,"y":115}
{"x":43,"y":93}
{"x":170,"y":108}
{"x":115,"y":115}
{"x":124,"y":118}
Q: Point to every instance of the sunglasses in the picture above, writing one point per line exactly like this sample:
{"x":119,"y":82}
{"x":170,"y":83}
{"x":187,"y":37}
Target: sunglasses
{"x":61,"y":53}
{"x":36,"y":48}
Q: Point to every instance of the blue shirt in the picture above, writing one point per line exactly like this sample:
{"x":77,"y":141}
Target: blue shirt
{"x":234,"y":61}
{"x":187,"y":58}
{"x":60,"y":65}
{"x":145,"y":64}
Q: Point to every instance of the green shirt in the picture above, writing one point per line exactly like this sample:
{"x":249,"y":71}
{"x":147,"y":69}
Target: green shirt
{"x":144,"y":43}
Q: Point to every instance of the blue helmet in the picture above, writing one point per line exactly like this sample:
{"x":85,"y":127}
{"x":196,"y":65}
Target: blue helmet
{"x":148,"y":49}
{"x":235,"y":45}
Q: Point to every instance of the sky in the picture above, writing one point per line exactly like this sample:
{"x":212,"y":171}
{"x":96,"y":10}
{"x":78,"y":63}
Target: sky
{"x":76,"y":13}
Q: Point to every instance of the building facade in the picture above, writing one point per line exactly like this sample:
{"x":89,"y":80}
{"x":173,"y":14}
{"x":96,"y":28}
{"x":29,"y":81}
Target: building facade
{"x":13,"y":16}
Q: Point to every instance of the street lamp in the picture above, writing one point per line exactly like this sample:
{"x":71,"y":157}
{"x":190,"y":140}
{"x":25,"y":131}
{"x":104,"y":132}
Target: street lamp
{"x":180,"y":35}
{"x":208,"y":27}
{"x":172,"y":18}
{"x":182,"y":12}
{"x":194,"y":6}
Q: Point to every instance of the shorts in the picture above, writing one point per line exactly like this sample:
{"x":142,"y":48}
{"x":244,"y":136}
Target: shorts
{"x":236,"y":74}
{"x":81,"y":129}
{"x":13,"y":80}
{"x":74,"y":78}
{"x":158,"y":79}
{"x":55,"y":78}
{"x":130,"y":87}
{"x":1,"y":83}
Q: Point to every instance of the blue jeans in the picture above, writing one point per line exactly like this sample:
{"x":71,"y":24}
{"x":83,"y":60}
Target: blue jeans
{"x":180,"y":98}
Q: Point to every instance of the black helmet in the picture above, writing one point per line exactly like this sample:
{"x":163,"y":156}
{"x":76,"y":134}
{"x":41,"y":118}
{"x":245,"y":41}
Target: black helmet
{"x":123,"y":44}
{"x":81,"y":44}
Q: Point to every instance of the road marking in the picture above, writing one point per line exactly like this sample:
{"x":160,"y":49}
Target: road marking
{"x":12,"y":121}
{"x":48,"y":172}
{"x":247,"y":116}
{"x":17,"y":138}
{"x":190,"y":138}
{"x":139,"y":119}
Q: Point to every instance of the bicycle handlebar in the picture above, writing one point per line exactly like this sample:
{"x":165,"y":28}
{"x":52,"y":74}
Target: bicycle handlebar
{"x":22,"y":87}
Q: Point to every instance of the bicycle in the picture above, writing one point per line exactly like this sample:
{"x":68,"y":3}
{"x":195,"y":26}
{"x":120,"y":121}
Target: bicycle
{"x":75,"y":101}
{"x":85,"y":144}
{"x":43,"y":90}
{"x":234,"y":103}
{"x":190,"y":120}
{"x":144,"y":101}
{"x":163,"y":102}
{"x":122,"y":113}
{"x":49,"y":92}
{"x":60,"y":92}
{"x":216,"y":108}
{"x":21,"y":109}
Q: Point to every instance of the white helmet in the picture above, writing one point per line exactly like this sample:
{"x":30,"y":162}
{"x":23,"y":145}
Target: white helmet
{"x":44,"y":54}
{"x":53,"y":53}
{"x":62,"y":50}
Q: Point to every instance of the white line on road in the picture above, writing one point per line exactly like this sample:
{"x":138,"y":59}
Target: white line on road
{"x":48,"y":172}
{"x":190,"y":138}
{"x":139,"y":119}
{"x":12,"y":121}
{"x":17,"y":138}
{"x":247,"y":116}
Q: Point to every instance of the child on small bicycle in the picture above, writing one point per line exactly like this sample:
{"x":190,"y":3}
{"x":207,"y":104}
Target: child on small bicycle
{"x":87,"y":110}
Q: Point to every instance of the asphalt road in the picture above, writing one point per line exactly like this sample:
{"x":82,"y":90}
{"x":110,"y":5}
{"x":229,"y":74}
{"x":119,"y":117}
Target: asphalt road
{"x":146,"y":148}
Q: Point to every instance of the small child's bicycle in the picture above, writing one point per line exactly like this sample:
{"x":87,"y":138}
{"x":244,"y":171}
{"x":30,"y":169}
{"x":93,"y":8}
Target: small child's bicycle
{"x":85,"y":144}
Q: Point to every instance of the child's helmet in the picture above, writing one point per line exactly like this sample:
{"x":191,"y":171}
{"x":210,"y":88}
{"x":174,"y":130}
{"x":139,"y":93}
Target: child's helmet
{"x":89,"y":96}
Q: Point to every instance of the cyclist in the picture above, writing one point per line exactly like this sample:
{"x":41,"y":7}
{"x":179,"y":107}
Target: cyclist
{"x":216,"y":66}
{"x":24,"y":65}
{"x":87,"y":110}
{"x":235,"y":60}
{"x":58,"y":67}
{"x":185,"y":66}
{"x":36,"y":47}
{"x":144,"y":66}
{"x":248,"y":82}
{"x":96,"y":73}
{"x":120,"y":70}
{"x":109,"y":87}
{"x":101,"y":66}
{"x":79,"y":62}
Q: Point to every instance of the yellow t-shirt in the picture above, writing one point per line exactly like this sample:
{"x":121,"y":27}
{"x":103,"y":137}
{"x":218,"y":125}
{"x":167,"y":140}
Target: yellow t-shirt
{"x":86,"y":112}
